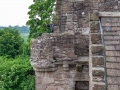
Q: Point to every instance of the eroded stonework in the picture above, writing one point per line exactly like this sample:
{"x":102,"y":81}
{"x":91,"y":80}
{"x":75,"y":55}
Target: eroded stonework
{"x":59,"y":66}
{"x":83,"y":52}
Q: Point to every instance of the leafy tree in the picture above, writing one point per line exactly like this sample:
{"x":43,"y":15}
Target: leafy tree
{"x":41,"y":12}
{"x":16,"y":74}
{"x":10,"y":42}
{"x":21,"y":29}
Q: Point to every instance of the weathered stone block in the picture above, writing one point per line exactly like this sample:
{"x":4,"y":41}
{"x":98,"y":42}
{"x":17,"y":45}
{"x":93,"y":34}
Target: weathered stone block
{"x":101,"y":1}
{"x":110,"y":53}
{"x":98,"y":61}
{"x":58,"y":7}
{"x":113,"y":87}
{"x":110,"y":47}
{"x":58,"y":2}
{"x":94,"y":25}
{"x":111,"y":59}
{"x":97,"y":49}
{"x":99,"y":87}
{"x":112,"y":80}
{"x":41,"y":87}
{"x":52,"y":88}
{"x":109,"y":14}
{"x":57,"y":17}
{"x":98,"y":72}
{"x":85,"y":31}
{"x":112,"y":72}
{"x":94,"y":16}
{"x":96,"y":38}
{"x":98,"y":79}
{"x":56,"y":29}
{"x":47,"y":80}
{"x":57,"y":22}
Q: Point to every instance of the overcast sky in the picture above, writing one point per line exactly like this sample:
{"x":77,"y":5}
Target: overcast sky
{"x":14,"y":12}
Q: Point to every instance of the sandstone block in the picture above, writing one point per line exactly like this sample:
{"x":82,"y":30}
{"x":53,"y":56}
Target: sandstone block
{"x":96,"y":38}
{"x":94,"y":16}
{"x":58,"y":8}
{"x":101,"y":1}
{"x":111,"y":72}
{"x":99,"y":87}
{"x":41,"y":87}
{"x":47,"y":80}
{"x":110,"y":59}
{"x":98,"y":72}
{"x":56,"y":29}
{"x":57,"y":22}
{"x":98,"y":79}
{"x":98,"y":61}
{"x":113,"y":87}
{"x":97,"y":49}
{"x":52,"y":88}
{"x":57,"y":17}
{"x":94,"y":25}
{"x":109,"y":47}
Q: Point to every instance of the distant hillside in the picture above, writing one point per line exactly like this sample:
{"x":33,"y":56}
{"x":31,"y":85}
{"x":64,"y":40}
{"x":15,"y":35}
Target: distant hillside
{"x":21,"y":29}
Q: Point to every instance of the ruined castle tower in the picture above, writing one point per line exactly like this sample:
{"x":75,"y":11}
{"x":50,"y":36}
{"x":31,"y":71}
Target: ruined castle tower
{"x":84,"y":51}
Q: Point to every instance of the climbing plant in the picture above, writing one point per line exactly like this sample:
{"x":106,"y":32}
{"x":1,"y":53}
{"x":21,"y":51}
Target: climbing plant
{"x":41,"y":12}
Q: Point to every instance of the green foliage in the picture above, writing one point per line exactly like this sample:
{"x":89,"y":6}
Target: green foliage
{"x":16,"y":74}
{"x":10,"y":42}
{"x":25,"y":37}
{"x":41,"y":12}
{"x":21,"y":29}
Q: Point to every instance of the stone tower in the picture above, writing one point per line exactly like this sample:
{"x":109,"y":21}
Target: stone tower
{"x":84,"y":51}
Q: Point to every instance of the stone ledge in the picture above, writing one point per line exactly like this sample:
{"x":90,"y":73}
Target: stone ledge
{"x":109,"y":14}
{"x":97,"y":48}
{"x":94,"y":16}
{"x":82,"y":60}
{"x":98,"y":71}
{"x":99,"y":86}
{"x":96,"y":38}
{"x":98,"y":61}
{"x":48,"y":69}
{"x":94,"y":25}
{"x":98,"y":79}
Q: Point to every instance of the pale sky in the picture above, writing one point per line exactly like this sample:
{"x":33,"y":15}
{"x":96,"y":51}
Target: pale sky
{"x":14,"y":12}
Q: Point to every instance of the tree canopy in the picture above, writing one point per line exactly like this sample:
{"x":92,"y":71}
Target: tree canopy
{"x":41,"y":12}
{"x":21,"y":29}
{"x":10,"y":42}
{"x":16,"y":74}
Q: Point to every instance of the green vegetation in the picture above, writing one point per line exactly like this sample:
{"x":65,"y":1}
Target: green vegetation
{"x":21,"y":29}
{"x":41,"y":12}
{"x":24,"y":36}
{"x":16,"y":74}
{"x":10,"y":42}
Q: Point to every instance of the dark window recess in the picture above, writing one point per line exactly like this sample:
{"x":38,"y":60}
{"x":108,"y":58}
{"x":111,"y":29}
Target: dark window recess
{"x":82,"y":85}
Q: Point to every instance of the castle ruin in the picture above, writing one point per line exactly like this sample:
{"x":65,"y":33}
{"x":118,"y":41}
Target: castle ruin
{"x":84,"y":51}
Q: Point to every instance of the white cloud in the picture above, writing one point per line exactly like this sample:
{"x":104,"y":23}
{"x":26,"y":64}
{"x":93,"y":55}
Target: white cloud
{"x":14,"y":12}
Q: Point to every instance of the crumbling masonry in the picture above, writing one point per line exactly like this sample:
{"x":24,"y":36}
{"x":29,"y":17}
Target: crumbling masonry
{"x":84,"y":51}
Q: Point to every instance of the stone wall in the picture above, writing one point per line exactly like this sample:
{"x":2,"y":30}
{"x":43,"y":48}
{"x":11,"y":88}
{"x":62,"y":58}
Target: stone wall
{"x":60,"y":66}
{"x":109,"y":6}
{"x":73,"y":57}
{"x":111,"y":37}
